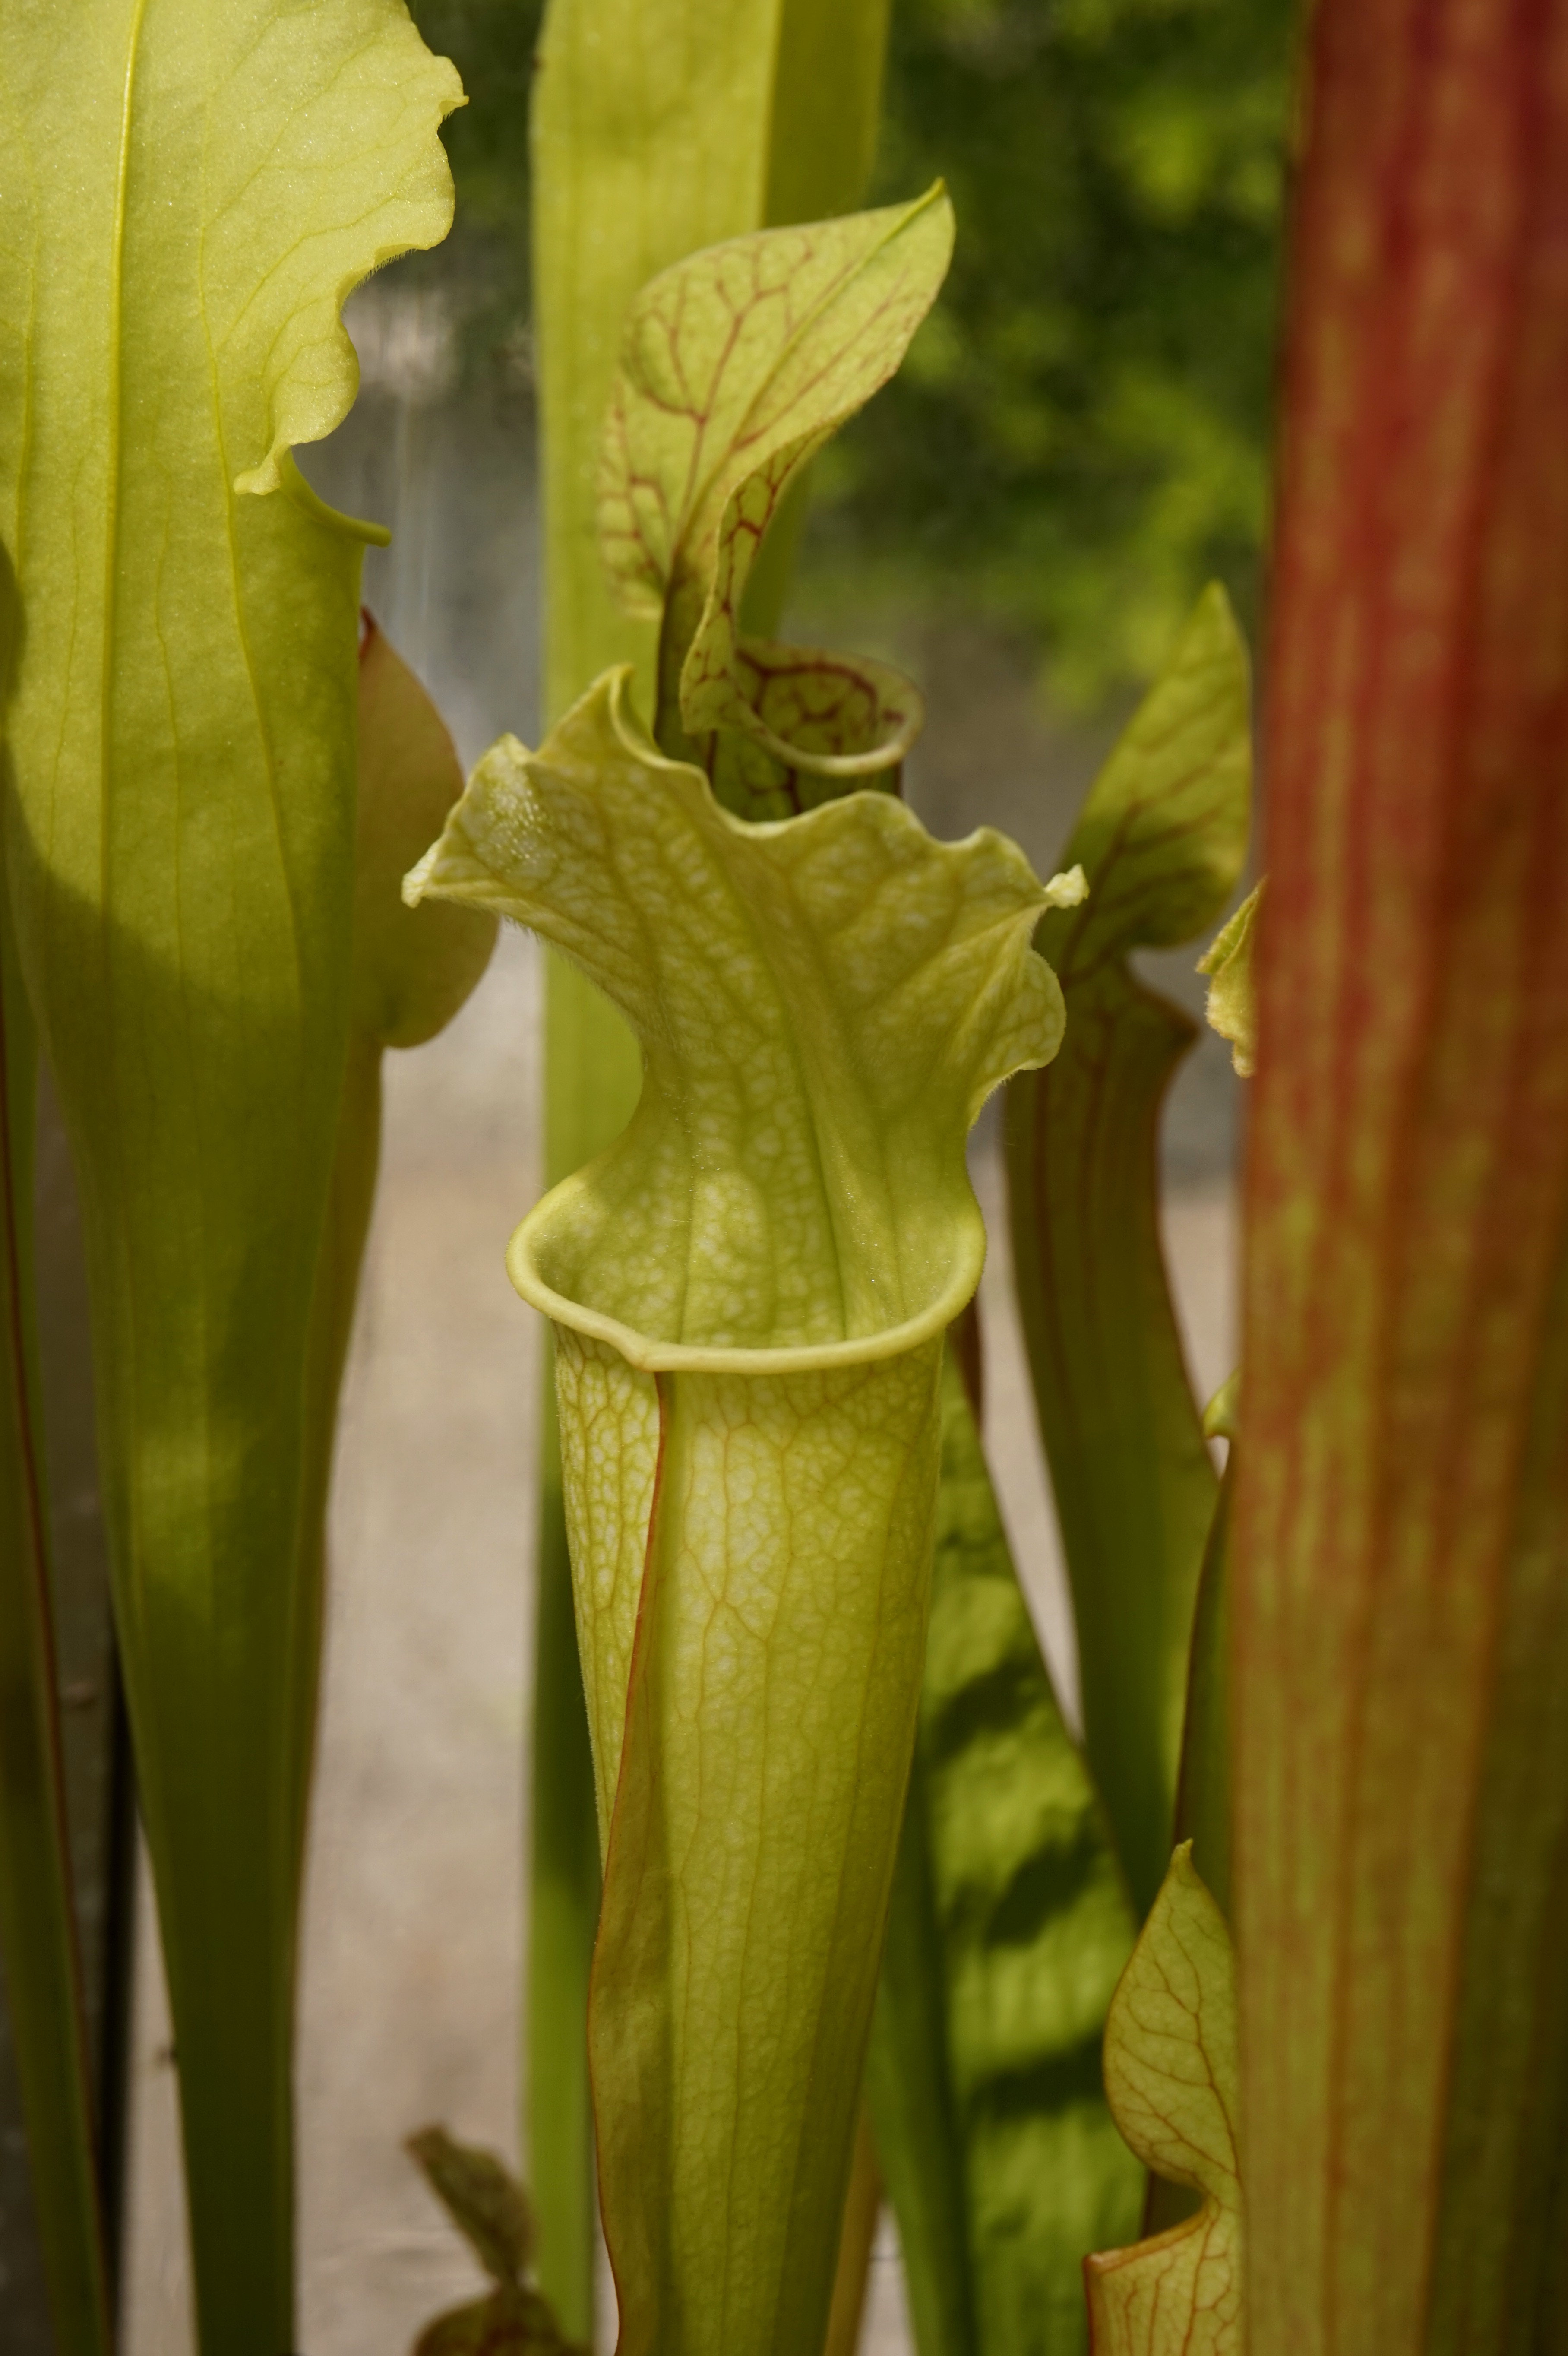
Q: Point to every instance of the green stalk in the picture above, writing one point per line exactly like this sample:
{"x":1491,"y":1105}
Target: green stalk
{"x":1161,"y":838}
{"x":658,"y":127}
{"x":38,"y":1922}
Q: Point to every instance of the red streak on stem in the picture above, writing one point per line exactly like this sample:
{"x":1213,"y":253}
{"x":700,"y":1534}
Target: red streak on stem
{"x":1401,"y":1611}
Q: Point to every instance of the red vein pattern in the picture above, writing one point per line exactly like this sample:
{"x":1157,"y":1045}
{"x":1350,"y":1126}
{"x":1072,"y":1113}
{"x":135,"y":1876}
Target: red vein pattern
{"x":1400,"y":1633}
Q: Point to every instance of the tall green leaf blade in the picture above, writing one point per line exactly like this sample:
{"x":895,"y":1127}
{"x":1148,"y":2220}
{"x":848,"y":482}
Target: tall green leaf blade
{"x":189,"y":189}
{"x":1009,"y":1931}
{"x":827,"y":99}
{"x":657,"y":127}
{"x":1400,"y":1554}
{"x":1161,"y":839}
{"x":39,"y":1941}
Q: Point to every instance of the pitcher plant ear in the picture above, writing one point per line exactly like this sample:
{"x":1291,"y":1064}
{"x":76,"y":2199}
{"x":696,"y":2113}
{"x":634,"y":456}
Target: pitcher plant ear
{"x":749,"y":1292}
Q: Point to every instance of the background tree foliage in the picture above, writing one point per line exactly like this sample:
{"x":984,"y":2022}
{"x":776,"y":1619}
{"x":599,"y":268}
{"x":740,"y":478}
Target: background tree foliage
{"x":1078,"y":439}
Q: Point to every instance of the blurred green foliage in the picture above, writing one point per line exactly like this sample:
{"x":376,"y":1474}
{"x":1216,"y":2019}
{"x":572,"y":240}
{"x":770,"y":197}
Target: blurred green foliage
{"x":1079,"y":438}
{"x":491,"y":43}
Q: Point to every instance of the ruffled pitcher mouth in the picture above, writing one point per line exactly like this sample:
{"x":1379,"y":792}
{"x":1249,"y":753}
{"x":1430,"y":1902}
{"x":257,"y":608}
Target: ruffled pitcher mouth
{"x":823,"y":1004}
{"x":654,"y":1354}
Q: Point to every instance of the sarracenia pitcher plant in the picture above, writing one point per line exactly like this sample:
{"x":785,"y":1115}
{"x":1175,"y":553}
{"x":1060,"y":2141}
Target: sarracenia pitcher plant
{"x":751,"y":1288}
{"x":750,"y":1292}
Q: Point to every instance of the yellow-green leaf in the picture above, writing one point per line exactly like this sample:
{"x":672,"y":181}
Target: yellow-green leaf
{"x":187,"y":189}
{"x":1173,"y":2079}
{"x":750,"y":1290}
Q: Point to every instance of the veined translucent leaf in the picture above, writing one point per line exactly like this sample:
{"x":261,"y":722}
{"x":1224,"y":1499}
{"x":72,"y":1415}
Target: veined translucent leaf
{"x":1161,"y":838}
{"x":742,"y":353}
{"x":1010,"y":1928}
{"x":1228,"y":962}
{"x":658,"y":127}
{"x":187,"y":189}
{"x":750,"y":1290}
{"x":1173,"y":2079}
{"x":738,"y":365}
